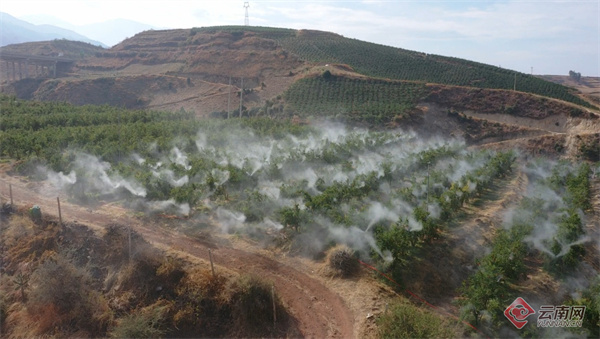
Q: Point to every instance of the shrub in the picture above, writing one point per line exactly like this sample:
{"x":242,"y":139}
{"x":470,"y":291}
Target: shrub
{"x":61,"y":286}
{"x":202,"y":305}
{"x":342,"y":261}
{"x":252,"y":305}
{"x":590,"y":298}
{"x":140,"y":275}
{"x":408,"y":321}
{"x":19,"y":227}
{"x":146,"y":323}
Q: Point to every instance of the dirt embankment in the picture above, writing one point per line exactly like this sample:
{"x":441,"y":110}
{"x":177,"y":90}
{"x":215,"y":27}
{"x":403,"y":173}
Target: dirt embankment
{"x":506,"y":119}
{"x":588,"y":86}
{"x":503,"y":101}
{"x":320,"y":311}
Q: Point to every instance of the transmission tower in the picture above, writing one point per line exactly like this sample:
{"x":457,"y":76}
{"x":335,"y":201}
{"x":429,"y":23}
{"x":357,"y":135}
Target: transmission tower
{"x":246,"y":18}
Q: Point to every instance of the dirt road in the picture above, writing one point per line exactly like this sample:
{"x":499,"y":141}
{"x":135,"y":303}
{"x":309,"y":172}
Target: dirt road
{"x":319,"y":311}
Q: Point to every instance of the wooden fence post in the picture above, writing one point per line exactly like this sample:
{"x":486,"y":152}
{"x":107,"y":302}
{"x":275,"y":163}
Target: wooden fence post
{"x":59,"y":211}
{"x":274,"y":309}
{"x":212,"y":267}
{"x":129,"y":239}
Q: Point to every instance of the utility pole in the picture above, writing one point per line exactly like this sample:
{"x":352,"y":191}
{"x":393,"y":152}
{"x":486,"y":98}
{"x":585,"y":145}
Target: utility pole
{"x":241,"y":96}
{"x":229,"y":99}
{"x":515,"y":83}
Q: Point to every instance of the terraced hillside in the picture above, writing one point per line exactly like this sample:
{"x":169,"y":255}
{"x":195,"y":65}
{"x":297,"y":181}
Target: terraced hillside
{"x":201,"y":70}
{"x":382,"y":61}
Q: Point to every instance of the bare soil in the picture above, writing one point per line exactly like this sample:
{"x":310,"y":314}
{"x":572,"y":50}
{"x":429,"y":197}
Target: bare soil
{"x":323,"y":307}
{"x":588,"y":86}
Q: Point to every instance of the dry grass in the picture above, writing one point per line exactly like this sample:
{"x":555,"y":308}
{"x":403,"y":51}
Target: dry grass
{"x":18,"y":228}
{"x":341,"y":261}
{"x":82,"y":285}
{"x":26,"y":242}
{"x":251,"y":302}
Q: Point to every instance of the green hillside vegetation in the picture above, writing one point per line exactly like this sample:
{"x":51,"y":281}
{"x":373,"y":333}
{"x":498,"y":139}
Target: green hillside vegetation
{"x":367,"y":100}
{"x":382,"y":61}
{"x":496,"y":282}
{"x":40,"y":132}
{"x":389,"y":195}
{"x":378,"y":101}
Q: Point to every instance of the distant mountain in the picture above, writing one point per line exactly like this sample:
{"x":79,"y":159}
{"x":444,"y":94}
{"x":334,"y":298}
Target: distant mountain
{"x":14,"y":31}
{"x":109,"y":32}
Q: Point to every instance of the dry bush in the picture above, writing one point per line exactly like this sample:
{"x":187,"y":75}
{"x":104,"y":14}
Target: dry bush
{"x":59,"y":286}
{"x":150,"y":275}
{"x":252,"y":307}
{"x":7,"y":296}
{"x":116,"y":241}
{"x":139,"y":276}
{"x":169,"y":274}
{"x":341,"y":261}
{"x":202,"y":305}
{"x":149,"y":322}
{"x":29,"y":249}
{"x":17,"y":228}
{"x":115,"y":250}
{"x":22,"y":323}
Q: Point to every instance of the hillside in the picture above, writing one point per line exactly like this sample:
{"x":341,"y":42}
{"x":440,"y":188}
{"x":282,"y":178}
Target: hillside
{"x":376,"y":192}
{"x":588,"y":86}
{"x":311,"y":75}
{"x":199,"y":63}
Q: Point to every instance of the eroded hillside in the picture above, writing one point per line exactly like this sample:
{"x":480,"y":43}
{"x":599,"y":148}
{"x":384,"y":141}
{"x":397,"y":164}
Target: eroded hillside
{"x":204,"y":70}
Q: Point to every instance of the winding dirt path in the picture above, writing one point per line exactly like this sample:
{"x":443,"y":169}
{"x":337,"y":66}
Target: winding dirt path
{"x":319,"y":311}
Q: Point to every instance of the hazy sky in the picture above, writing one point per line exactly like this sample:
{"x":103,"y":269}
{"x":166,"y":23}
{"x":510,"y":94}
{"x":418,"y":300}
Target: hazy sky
{"x":553,"y":37}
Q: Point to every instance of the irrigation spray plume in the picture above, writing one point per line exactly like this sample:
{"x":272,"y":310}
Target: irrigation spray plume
{"x":110,"y":183}
{"x":138,"y":159}
{"x":59,"y":180}
{"x":552,"y":209}
{"x":168,"y":205}
{"x":229,"y":220}
{"x":272,"y":224}
{"x":299,"y":160}
{"x":98,"y":176}
{"x":169,"y":176}
{"x":377,"y":212}
{"x":180,"y":158}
